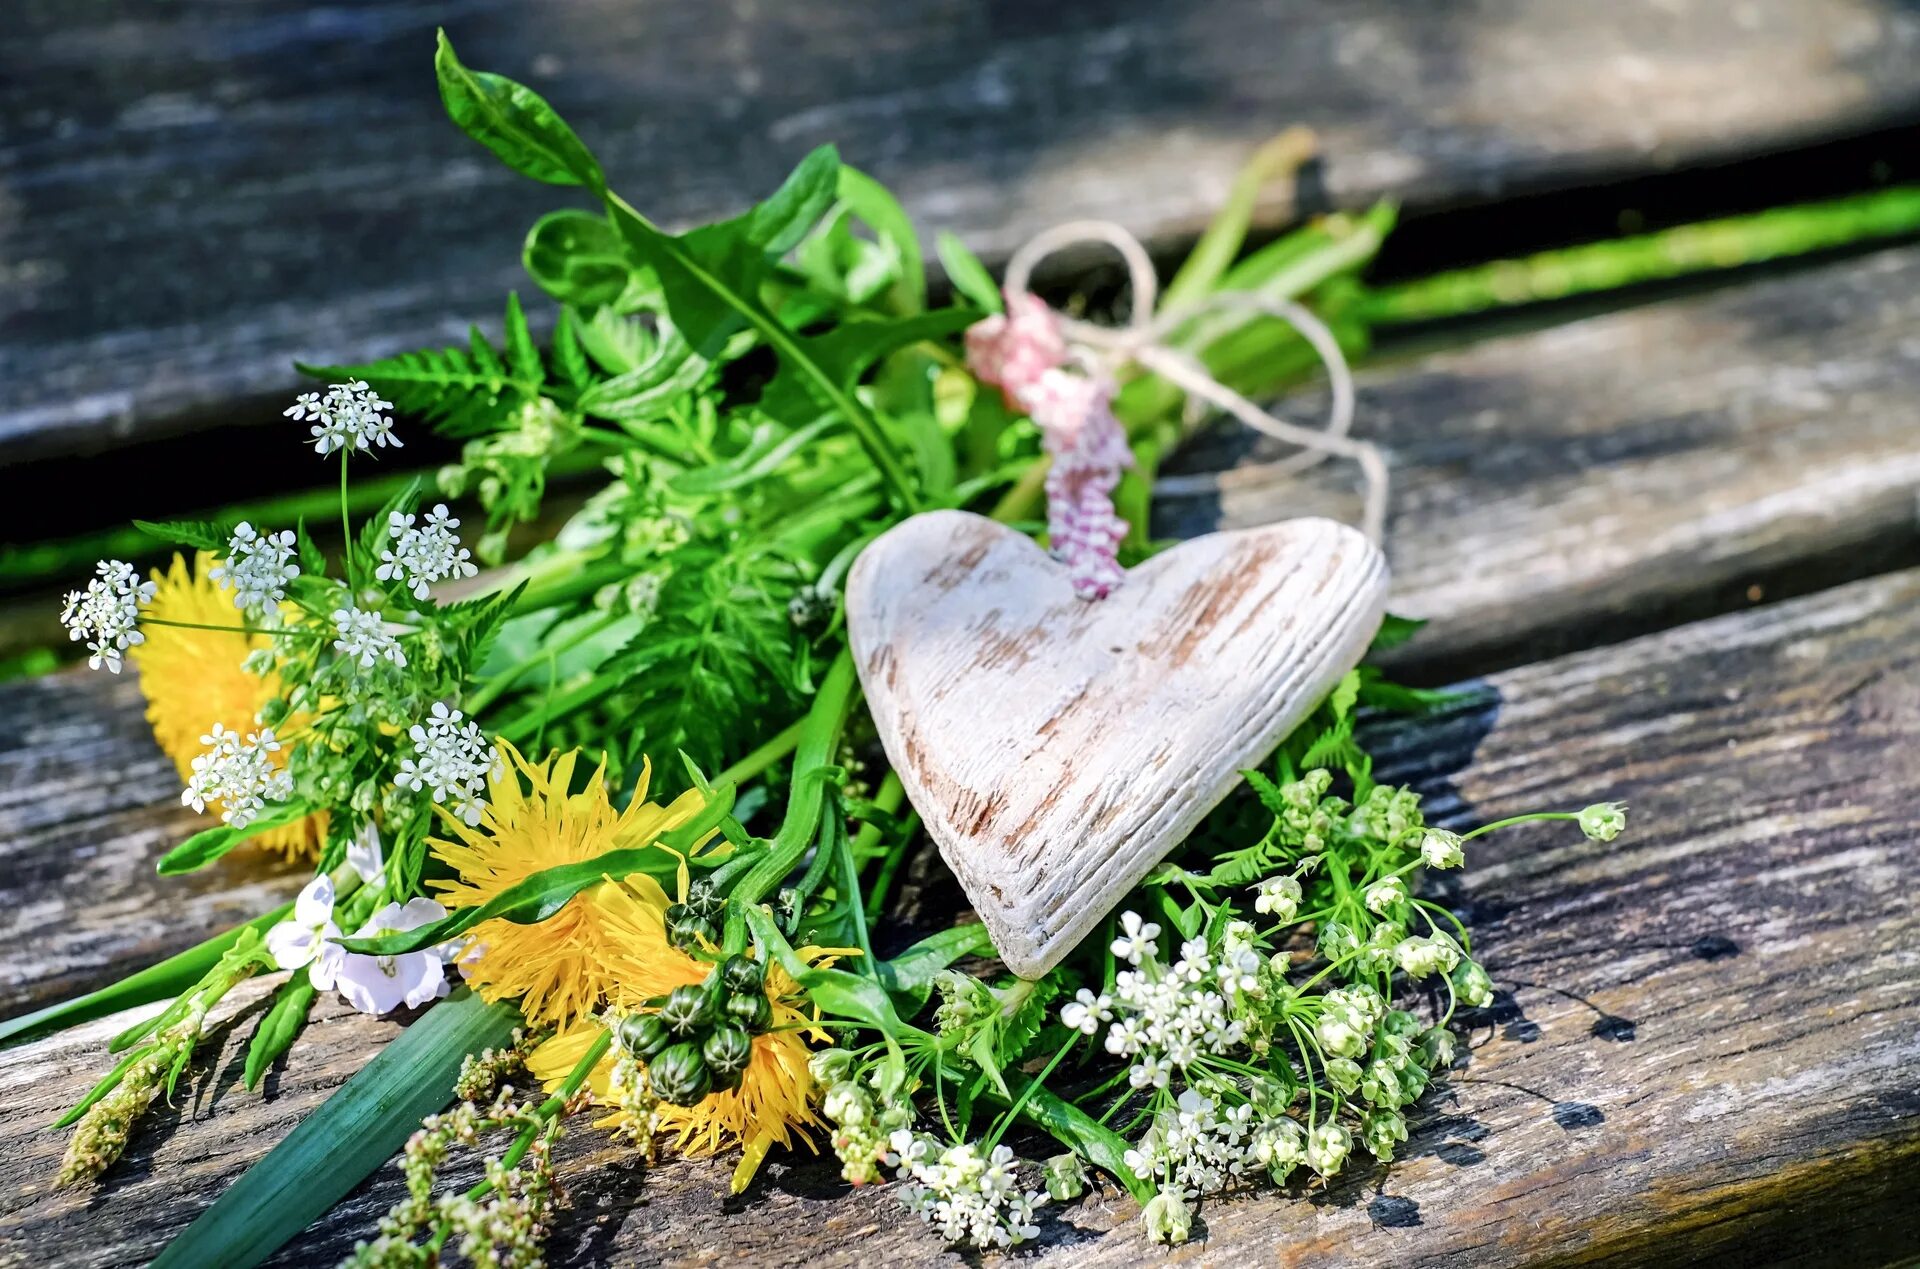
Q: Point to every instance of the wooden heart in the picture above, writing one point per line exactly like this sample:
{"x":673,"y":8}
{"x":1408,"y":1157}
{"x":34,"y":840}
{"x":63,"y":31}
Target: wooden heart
{"x":1057,"y":748}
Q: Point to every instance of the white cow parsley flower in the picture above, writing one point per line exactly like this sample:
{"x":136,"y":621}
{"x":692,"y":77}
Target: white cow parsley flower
{"x":380,"y":984}
{"x":421,"y":556}
{"x":1086,"y":1011}
{"x":364,"y":638}
{"x":349,"y":416}
{"x":1278,"y":897}
{"x":1136,"y":939}
{"x":258,"y":567}
{"x":107,"y":614}
{"x":301,"y":938}
{"x":237,"y":773}
{"x":970,"y":1199}
{"x":452,"y":759}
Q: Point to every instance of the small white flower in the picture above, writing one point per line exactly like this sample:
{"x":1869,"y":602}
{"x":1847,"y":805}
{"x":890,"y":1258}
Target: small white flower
{"x":1441,"y":849}
{"x":364,"y":854}
{"x":1385,"y":895}
{"x":297,"y":940}
{"x":1328,"y":1146}
{"x":380,"y":984}
{"x":1149,"y":1072}
{"x":420,"y":557}
{"x":1278,"y":897}
{"x":1420,"y":957}
{"x":1604,"y":821}
{"x":1136,"y":941}
{"x":451,"y":758}
{"x":350,"y":416}
{"x":238,"y":774}
{"x":257,"y":568}
{"x":107,"y":614}
{"x":1086,"y":1011}
{"x":364,"y":638}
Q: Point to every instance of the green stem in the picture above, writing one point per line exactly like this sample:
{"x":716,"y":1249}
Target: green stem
{"x":197,"y":625}
{"x":346,"y":530}
{"x":763,"y":757}
{"x":888,"y":798}
{"x":1510,"y":821}
{"x":498,"y":684}
{"x":551,"y":1107}
{"x":850,"y":879}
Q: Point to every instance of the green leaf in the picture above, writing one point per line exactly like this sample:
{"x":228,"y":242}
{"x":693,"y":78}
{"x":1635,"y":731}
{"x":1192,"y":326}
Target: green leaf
{"x":969,"y":277}
{"x":845,"y":353}
{"x":643,"y":393}
{"x":1101,"y":1146}
{"x":463,"y":395}
{"x":156,"y":982}
{"x":873,"y":203}
{"x":770,"y":447}
{"x":546,"y":892}
{"x":204,"y":535}
{"x":353,"y":1132}
{"x":1395,"y":631}
{"x":374,"y":531}
{"x":278,"y":1029}
{"x":835,"y":991}
{"x":576,"y":257}
{"x":568,"y":356}
{"x":1344,"y":695}
{"x":777,"y":225}
{"x":209,"y":844}
{"x":909,"y":976}
{"x":522,"y":355}
{"x":514,"y":122}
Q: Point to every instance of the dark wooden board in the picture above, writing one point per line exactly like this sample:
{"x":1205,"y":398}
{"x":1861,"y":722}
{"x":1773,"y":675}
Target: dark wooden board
{"x":1544,"y":497}
{"x":194,"y":194}
{"x":1703,"y":1051}
{"x":1611,"y":476}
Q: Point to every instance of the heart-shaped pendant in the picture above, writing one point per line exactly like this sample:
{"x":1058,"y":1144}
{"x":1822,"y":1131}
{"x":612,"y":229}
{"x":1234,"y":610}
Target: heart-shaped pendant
{"x":1057,"y":748}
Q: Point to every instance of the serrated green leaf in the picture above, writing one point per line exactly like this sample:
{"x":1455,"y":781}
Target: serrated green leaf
{"x":353,"y":1132}
{"x":1267,"y":791}
{"x":522,"y":355}
{"x":278,"y":1030}
{"x":210,"y":844}
{"x":546,"y":892}
{"x":514,"y":122}
{"x":1394,"y":631}
{"x":156,"y":982}
{"x":375,"y":531}
{"x":203,"y":535}
{"x":568,"y":356}
{"x":969,"y":277}
{"x":770,"y":447}
{"x":446,"y":385}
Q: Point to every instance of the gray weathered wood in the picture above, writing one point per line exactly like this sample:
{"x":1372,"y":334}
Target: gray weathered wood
{"x":1012,"y":709}
{"x":1752,"y":435}
{"x":1703,"y":1050}
{"x":199,"y":192}
{"x":1617,"y":474}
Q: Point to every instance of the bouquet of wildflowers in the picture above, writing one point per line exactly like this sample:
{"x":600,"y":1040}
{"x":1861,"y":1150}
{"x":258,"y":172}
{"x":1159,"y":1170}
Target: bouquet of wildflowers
{"x":612,"y":814}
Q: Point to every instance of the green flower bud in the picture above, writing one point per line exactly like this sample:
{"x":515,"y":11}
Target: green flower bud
{"x":679,"y":1075}
{"x":1343,"y":1074}
{"x":1472,"y":986}
{"x":1065,"y":1176}
{"x":1436,"y":1048}
{"x":703,"y":900}
{"x":752,"y":1012}
{"x":1604,"y":821}
{"x":1442,"y":849}
{"x":690,"y":931}
{"x":1381,"y":1131}
{"x":643,"y":1035}
{"x":685,"y":1010}
{"x":743,"y":976}
{"x":829,"y":1066}
{"x":727,"y":1051}
{"x":1168,"y":1218}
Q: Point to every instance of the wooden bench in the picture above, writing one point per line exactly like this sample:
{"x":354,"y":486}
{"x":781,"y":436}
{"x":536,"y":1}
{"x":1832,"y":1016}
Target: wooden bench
{"x":1668,"y":551}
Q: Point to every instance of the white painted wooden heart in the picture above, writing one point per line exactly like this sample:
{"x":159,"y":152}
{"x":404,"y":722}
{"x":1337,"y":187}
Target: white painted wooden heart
{"x":1057,"y":748}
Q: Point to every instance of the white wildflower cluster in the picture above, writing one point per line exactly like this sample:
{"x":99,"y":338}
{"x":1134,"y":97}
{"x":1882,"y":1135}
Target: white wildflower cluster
{"x":349,"y":416}
{"x":257,"y":568}
{"x":107,"y":614}
{"x":451,"y":758}
{"x":238,"y":774}
{"x":363,"y":637}
{"x":969,"y":1197}
{"x":420,"y":556}
{"x":1197,"y":1146}
{"x":1165,"y":1018}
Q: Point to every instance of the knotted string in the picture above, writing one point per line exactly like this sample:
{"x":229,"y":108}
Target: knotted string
{"x":1027,"y":350}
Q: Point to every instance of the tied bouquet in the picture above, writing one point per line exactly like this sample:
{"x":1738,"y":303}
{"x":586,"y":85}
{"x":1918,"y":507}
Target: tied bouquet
{"x":612,"y":811}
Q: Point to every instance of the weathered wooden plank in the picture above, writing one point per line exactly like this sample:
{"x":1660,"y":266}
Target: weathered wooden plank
{"x":1703,"y":1050}
{"x":1551,"y":489}
{"x":1618,"y":474}
{"x":196,"y":194}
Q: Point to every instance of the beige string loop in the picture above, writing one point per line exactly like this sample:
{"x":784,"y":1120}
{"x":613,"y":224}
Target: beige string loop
{"x":1142,"y":342}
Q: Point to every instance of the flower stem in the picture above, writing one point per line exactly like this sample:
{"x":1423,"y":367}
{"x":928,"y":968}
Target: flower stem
{"x":346,"y":528}
{"x":763,"y":757}
{"x":1519,"y":819}
{"x":198,"y":625}
{"x":550,"y":1108}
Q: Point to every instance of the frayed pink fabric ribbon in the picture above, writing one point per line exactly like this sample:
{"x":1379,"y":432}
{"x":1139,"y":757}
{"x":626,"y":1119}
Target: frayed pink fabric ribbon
{"x":1023,"y":353}
{"x":1062,"y":373}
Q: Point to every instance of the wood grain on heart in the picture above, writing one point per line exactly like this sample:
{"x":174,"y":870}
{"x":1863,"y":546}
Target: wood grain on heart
{"x":1058,"y":748}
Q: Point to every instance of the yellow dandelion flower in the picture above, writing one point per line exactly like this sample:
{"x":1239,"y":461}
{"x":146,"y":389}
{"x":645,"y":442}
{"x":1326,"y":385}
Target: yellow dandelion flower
{"x":774,"y":1101}
{"x":557,"y":968}
{"x":193,"y":679}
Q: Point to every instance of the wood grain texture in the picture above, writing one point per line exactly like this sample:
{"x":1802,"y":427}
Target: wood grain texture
{"x":88,"y":803}
{"x":1703,"y":1048}
{"x":1625,"y":472}
{"x":1057,"y":748}
{"x":193,"y":195}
